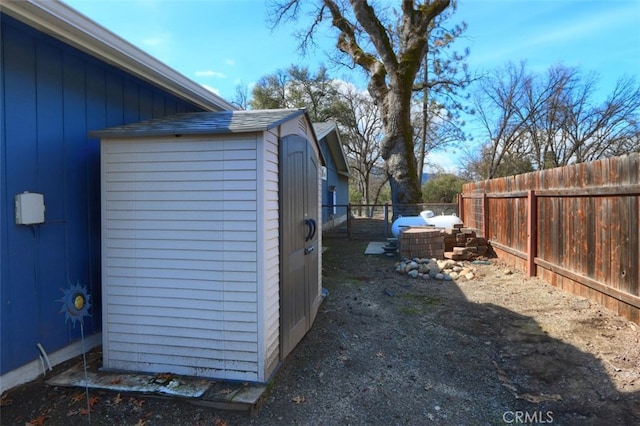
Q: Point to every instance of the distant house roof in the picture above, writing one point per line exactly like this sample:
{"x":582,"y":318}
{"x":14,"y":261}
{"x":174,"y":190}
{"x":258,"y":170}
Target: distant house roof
{"x":68,"y":25}
{"x":329,"y":130}
{"x":193,"y":123}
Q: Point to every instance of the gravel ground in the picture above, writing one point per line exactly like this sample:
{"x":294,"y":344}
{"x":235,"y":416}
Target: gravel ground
{"x":386,"y":349}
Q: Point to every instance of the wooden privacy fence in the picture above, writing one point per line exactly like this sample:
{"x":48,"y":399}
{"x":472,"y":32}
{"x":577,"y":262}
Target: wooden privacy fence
{"x":577,"y":227}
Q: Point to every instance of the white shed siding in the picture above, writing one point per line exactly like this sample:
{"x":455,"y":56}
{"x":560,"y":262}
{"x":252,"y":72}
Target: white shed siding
{"x":180,"y":241}
{"x":271,"y":318}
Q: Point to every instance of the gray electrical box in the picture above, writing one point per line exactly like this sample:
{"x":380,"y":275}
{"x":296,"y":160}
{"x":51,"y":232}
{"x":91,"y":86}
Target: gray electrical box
{"x":29,"y":208}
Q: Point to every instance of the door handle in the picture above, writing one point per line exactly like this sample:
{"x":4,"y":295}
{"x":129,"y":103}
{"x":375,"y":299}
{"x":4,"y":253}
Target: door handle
{"x":309,"y":249}
{"x":308,"y":223}
{"x":312,"y":229}
{"x":313,"y":234}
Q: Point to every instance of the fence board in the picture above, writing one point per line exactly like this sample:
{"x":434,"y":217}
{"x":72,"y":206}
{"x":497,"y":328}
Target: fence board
{"x":586,"y":224}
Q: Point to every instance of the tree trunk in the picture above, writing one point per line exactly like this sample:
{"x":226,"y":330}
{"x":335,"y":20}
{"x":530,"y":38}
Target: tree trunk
{"x":397,"y":151}
{"x":392,"y":74}
{"x":425,"y":119}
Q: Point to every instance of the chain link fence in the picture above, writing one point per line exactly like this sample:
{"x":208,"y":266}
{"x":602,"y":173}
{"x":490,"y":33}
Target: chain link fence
{"x":373,"y":221}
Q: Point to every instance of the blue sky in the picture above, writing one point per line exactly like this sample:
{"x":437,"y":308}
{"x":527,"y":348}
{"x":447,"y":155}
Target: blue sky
{"x":225,"y":43}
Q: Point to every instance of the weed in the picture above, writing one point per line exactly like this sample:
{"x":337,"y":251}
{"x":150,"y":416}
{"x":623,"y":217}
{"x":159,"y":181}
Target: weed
{"x":415,"y":304}
{"x":408,"y":310}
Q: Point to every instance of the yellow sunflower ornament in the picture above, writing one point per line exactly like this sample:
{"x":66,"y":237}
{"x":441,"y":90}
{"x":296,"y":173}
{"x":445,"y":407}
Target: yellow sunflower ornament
{"x":75,"y":303}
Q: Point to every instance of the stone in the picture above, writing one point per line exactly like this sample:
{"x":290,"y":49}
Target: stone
{"x":433,"y":267}
{"x":412,"y":265}
{"x":446,"y":264}
{"x":413,"y":273}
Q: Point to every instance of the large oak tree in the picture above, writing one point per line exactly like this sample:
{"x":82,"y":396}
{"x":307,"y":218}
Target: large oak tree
{"x":389,"y":45}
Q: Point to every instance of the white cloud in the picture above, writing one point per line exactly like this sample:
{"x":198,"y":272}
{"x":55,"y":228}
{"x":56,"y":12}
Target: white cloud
{"x":347,"y":86}
{"x":230,"y":62}
{"x":210,"y":73}
{"x":445,"y":161}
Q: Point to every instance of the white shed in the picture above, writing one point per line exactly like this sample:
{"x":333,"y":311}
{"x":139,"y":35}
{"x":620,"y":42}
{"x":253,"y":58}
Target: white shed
{"x":210,"y":255}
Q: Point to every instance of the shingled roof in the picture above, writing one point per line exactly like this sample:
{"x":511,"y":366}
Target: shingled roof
{"x":203,"y":123}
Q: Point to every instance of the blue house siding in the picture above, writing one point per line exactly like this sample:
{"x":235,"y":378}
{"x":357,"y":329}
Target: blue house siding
{"x":51,"y":95}
{"x":336,"y":180}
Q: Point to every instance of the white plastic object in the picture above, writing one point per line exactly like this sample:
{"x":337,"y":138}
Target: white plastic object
{"x":29,"y":208}
{"x":426,"y":214}
{"x":406,"y":222}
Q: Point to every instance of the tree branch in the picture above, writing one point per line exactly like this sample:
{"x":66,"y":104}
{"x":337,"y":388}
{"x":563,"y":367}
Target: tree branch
{"x":283,"y":11}
{"x":366,"y":17}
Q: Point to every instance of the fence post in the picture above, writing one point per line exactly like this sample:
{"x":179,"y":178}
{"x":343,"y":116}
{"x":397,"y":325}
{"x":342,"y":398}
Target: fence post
{"x":461,"y":207}
{"x":349,"y":221}
{"x":485,"y":216}
{"x":532,"y":232}
{"x":386,"y":219}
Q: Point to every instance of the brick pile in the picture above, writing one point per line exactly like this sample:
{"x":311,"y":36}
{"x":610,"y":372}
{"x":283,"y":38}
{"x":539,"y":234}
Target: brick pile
{"x":455,"y":243}
{"x":422,"y":242}
{"x":463,"y":244}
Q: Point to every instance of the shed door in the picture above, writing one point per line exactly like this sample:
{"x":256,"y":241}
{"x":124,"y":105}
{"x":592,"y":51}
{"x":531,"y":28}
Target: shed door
{"x":299,"y":229}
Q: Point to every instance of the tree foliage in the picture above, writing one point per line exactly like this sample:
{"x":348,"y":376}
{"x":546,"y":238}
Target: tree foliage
{"x":540,"y":121}
{"x":479,"y":165}
{"x":443,"y":188}
{"x":241,"y":97}
{"x":443,"y":131}
{"x":439,"y":89}
{"x":388,"y":44}
{"x":297,"y":87}
{"x":326,"y":99}
{"x":361,"y":133}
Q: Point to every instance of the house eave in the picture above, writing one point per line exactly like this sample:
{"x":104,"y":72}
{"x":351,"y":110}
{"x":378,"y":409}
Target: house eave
{"x":335,"y":146}
{"x":68,"y":25}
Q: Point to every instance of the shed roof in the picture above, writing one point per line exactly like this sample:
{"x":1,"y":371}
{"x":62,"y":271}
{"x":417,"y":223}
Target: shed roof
{"x":194,"y":123}
{"x":71,"y":27}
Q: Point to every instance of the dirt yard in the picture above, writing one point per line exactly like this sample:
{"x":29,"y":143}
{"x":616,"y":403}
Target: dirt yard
{"x":387,"y":349}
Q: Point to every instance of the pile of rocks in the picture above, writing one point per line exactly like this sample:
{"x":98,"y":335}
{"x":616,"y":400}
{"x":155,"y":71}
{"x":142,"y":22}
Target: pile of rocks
{"x":446,"y":270}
